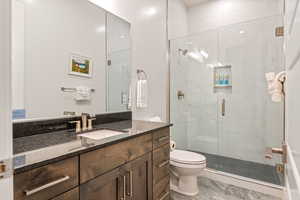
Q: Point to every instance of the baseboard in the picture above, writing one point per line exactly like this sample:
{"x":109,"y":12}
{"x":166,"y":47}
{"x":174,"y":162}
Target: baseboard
{"x":239,"y":181}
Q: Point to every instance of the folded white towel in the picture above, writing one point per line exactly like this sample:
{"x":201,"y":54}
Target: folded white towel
{"x":275,"y":86}
{"x":142,"y":94}
{"x":154,"y":119}
{"x":82,"y":93}
{"x":129,"y":105}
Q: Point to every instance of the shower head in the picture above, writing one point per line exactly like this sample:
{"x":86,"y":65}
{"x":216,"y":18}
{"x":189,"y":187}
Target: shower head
{"x":183,"y":51}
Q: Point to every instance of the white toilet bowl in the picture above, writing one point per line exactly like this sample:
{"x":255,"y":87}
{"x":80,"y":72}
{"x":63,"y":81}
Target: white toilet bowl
{"x":186,"y":166}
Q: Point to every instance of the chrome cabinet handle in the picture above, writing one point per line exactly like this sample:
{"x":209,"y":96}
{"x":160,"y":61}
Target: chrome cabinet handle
{"x":223,"y":107}
{"x":130,"y":193}
{"x":163,"y":138}
{"x":164,"y":196}
{"x":163,"y":164}
{"x":124,"y":188}
{"x":48,"y":185}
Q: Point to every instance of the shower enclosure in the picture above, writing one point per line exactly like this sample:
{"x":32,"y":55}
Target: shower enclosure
{"x":220,"y":105}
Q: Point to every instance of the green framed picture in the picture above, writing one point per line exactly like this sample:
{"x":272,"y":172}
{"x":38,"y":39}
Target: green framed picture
{"x":80,"y":66}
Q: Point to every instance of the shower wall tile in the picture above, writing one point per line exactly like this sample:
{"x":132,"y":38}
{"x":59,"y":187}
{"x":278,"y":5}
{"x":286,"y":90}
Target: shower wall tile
{"x":252,"y":122}
{"x":214,"y":14}
{"x":251,"y":116}
{"x":178,"y":83}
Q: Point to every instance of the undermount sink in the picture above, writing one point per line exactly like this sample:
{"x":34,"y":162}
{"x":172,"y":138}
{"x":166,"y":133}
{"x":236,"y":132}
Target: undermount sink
{"x":101,"y":134}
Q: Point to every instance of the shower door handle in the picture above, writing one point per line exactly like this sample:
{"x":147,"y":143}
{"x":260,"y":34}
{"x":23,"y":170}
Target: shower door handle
{"x":223,"y":109}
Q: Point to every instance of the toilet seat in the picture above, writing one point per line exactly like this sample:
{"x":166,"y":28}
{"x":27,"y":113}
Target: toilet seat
{"x":187,"y":157}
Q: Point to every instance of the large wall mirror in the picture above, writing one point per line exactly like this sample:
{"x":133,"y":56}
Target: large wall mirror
{"x":68,"y":56}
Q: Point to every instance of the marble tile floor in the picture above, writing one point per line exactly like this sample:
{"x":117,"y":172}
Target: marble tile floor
{"x":214,"y":190}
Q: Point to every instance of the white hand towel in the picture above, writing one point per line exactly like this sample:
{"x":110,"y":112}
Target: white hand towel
{"x":275,"y":87}
{"x":142,"y":94}
{"x":82,"y":93}
{"x":129,"y":98}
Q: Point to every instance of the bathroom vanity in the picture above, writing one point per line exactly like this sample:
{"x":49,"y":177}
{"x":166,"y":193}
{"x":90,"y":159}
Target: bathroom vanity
{"x":134,"y":165}
{"x":76,"y":60}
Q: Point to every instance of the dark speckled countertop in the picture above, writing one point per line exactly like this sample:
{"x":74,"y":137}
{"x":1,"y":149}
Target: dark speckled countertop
{"x":38,"y":150}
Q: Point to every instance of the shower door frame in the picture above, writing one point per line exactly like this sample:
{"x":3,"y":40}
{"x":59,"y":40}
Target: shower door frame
{"x":238,"y":177}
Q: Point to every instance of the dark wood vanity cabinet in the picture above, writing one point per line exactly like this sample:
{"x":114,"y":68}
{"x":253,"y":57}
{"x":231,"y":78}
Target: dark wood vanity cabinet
{"x":132,"y":181}
{"x":107,"y":186}
{"x":98,"y":162}
{"x":161,"y":163}
{"x":135,"y":169}
{"x":70,"y":195}
{"x":48,"y":181}
{"x":138,"y":178}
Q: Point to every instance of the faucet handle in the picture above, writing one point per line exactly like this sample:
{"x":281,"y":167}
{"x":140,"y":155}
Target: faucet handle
{"x":90,"y":123}
{"x":78,"y":125}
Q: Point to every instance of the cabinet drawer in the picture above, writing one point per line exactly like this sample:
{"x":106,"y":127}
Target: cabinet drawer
{"x":71,"y":195}
{"x":161,"y":137}
{"x":161,"y":154}
{"x":161,"y":163}
{"x":161,"y":190}
{"x":46,"y":182}
{"x":95,"y":163}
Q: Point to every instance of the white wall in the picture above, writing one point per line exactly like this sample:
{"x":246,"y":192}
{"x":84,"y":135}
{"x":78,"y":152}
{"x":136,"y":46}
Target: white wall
{"x":177,"y":19}
{"x":149,"y":52}
{"x":6,"y":185}
{"x":292,"y":32}
{"x":18,"y":59}
{"x":149,"y":47}
{"x":214,"y":14}
{"x":49,"y":42}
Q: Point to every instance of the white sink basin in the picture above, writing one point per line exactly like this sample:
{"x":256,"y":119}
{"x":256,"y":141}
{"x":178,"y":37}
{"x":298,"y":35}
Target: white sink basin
{"x":101,"y":134}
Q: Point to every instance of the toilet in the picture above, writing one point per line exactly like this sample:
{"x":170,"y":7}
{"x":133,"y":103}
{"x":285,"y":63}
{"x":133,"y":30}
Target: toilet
{"x":186,"y":166}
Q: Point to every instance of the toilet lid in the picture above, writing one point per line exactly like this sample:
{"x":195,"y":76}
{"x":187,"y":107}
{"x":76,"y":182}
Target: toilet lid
{"x":187,"y":157}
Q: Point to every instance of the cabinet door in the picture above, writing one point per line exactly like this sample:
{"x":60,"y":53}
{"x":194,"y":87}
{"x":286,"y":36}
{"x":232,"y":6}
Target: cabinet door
{"x":138,"y":175}
{"x":71,"y":195}
{"x":106,"y":187}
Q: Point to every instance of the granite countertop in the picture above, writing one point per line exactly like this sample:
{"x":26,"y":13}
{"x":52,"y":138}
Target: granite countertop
{"x":38,"y":150}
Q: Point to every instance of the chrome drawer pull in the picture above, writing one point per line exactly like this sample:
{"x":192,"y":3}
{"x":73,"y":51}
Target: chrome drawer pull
{"x":163,"y":138}
{"x":130,"y":193}
{"x":164,"y":196}
{"x":124,"y":188}
{"x":131,"y":183}
{"x":48,"y":185}
{"x":163,"y":164}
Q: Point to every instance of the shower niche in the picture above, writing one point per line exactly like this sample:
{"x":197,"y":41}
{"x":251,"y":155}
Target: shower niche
{"x":222,"y":78}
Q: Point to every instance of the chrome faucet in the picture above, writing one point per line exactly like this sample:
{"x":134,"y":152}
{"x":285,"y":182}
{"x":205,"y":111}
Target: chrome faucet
{"x":78,"y":125}
{"x":86,"y":123}
{"x":84,"y":120}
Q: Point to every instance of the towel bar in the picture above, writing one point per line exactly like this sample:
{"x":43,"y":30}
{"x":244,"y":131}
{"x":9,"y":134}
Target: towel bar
{"x":72,"y":89}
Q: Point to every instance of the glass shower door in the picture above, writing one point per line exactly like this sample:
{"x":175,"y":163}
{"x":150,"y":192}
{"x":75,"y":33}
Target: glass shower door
{"x":252,"y":122}
{"x":194,"y":105}
{"x":232,"y":124}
